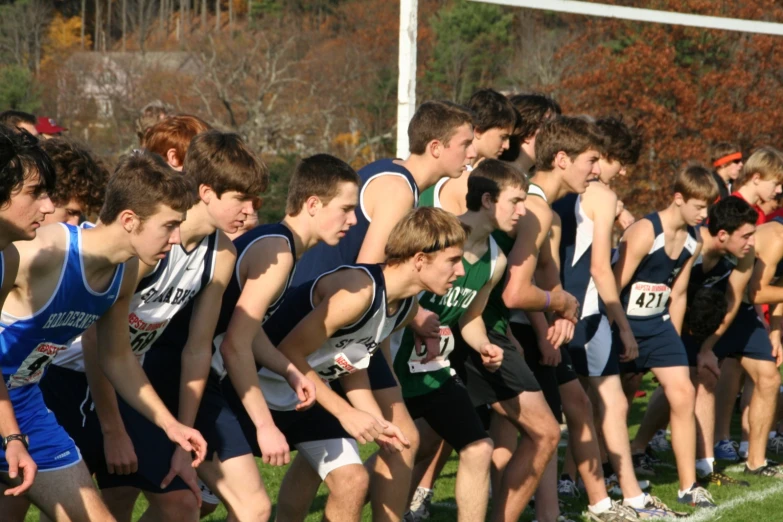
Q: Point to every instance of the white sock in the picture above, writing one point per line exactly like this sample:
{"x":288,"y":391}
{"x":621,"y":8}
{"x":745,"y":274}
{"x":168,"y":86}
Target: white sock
{"x":681,"y":493}
{"x":635,"y":502}
{"x":773,"y":434}
{"x":743,"y":447}
{"x":704,"y":467}
{"x":600,"y":507}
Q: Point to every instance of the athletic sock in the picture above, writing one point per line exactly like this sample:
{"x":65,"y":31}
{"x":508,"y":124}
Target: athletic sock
{"x":681,"y":493}
{"x":635,"y":502}
{"x":773,"y":434}
{"x":743,"y":447}
{"x":704,"y":467}
{"x":600,"y":507}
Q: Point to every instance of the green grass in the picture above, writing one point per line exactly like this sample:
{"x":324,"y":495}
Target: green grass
{"x":733,"y":504}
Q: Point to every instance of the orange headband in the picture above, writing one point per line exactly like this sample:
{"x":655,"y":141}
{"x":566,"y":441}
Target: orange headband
{"x":727,"y":159}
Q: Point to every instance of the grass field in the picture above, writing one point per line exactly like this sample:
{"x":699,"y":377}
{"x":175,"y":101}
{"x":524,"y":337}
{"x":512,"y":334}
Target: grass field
{"x":763,"y":501}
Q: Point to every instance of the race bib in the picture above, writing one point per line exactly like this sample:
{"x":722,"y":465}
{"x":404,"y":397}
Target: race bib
{"x":332,"y":366}
{"x":648,"y":299}
{"x":33,"y":367}
{"x":143,"y":334}
{"x":415,"y":364}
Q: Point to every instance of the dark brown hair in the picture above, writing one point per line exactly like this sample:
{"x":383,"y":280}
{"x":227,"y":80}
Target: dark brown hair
{"x":223,"y":162}
{"x":142,"y":182}
{"x":21,"y":157}
{"x":491,"y":177}
{"x":79,"y":175}
{"x":566,"y":134}
{"x":436,"y":120}
{"x":321,"y":176}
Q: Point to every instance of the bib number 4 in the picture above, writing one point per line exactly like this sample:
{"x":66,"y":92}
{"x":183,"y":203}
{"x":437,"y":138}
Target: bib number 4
{"x":33,"y":367}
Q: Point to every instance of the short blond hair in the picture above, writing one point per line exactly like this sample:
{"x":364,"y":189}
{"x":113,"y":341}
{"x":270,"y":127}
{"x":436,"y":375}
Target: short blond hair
{"x":425,"y":229}
{"x":695,"y":181}
{"x":767,"y":162}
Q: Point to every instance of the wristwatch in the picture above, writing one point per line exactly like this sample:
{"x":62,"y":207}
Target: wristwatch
{"x":16,"y":436}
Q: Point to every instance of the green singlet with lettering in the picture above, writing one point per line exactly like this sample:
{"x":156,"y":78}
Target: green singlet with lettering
{"x":417,"y":378}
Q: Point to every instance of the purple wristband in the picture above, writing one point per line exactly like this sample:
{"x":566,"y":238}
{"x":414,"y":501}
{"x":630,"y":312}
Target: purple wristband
{"x":548,"y":299}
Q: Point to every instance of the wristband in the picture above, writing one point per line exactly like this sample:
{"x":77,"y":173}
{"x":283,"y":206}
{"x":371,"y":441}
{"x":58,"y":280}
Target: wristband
{"x":548,"y":300}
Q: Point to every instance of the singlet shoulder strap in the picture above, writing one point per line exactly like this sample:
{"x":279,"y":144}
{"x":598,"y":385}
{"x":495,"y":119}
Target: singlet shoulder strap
{"x":778,"y":219}
{"x":535,"y":190}
{"x":436,"y":192}
{"x":378,"y":293}
{"x":405,"y":309}
{"x":655,"y":219}
{"x":493,"y":256}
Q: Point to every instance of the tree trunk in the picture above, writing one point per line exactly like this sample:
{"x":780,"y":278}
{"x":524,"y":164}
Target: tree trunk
{"x":203,"y":15}
{"x":217,"y":15}
{"x":84,"y":20}
{"x":97,"y":39}
{"x":142,"y":25}
{"x":107,"y":34}
{"x":249,"y":9}
{"x":124,"y":24}
{"x":183,"y":17}
{"x":230,"y":16}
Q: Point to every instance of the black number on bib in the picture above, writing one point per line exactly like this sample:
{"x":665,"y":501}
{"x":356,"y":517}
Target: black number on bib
{"x":36,"y":365}
{"x":651,"y":302}
{"x":640,"y":301}
{"x":444,"y":344}
{"x":140,"y":341}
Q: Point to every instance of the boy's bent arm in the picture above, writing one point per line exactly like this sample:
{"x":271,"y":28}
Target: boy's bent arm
{"x":679,"y":295}
{"x":769,"y":250}
{"x":128,"y":378}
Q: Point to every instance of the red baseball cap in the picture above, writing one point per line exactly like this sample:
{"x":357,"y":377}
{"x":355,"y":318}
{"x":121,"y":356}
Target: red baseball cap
{"x":48,"y":126}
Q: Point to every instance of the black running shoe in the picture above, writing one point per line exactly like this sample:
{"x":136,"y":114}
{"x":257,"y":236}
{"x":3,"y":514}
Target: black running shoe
{"x":721,"y":479}
{"x":765,"y":471}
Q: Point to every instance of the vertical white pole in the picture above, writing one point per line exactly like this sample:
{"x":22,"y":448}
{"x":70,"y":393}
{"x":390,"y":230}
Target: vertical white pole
{"x":406,"y":82}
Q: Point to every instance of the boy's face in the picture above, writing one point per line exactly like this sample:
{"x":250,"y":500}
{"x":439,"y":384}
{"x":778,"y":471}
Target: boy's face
{"x":731,"y":170}
{"x":455,"y":157}
{"x":440,"y":269}
{"x":153,"y":237}
{"x":334,"y":219}
{"x":610,"y":170}
{"x":230,"y":210}
{"x":492,"y":143}
{"x":693,"y":211}
{"x":579,"y":171}
{"x":24,"y":214}
{"x":767,"y":189}
{"x":509,"y":207}
{"x":740,"y":241}
{"x":70,"y":213}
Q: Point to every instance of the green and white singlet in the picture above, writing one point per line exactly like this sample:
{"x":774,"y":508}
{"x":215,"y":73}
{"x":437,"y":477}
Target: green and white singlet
{"x":417,"y":378}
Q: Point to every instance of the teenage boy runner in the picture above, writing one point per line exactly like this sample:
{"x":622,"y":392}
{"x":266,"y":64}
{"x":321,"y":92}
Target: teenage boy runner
{"x":81,"y":181}
{"x":331,"y":327}
{"x":586,"y":271}
{"x":726,"y":159}
{"x":237,"y":422}
{"x":441,"y":144}
{"x":759,"y":181}
{"x":567,"y":155}
{"x":433,"y":394}
{"x":494,"y":120}
{"x":57,"y":296}
{"x":534,"y":110}
{"x":196,"y":271}
{"x":655,"y":257}
{"x":726,"y":264}
{"x":26,"y":178}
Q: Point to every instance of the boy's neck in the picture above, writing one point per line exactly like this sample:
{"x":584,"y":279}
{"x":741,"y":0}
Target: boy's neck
{"x":551,"y":183}
{"x":524,"y":162}
{"x":749,"y":194}
{"x":480,"y":229}
{"x":672,"y":217}
{"x":198,"y":225}
{"x":711,"y":247}
{"x":425,"y":171}
{"x":401,"y":282}
{"x":304,"y":239}
{"x":107,"y":245}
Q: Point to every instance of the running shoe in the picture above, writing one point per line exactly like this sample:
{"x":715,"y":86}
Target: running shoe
{"x":567,"y":487}
{"x":721,"y":479}
{"x":698,"y":497}
{"x":617,"y":513}
{"x":659,"y":442}
{"x":775,"y":444}
{"x":421,"y":503}
{"x":642,"y":465}
{"x":613,"y":485}
{"x":726,"y":450}
{"x":765,"y":471}
{"x":655,"y":508}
